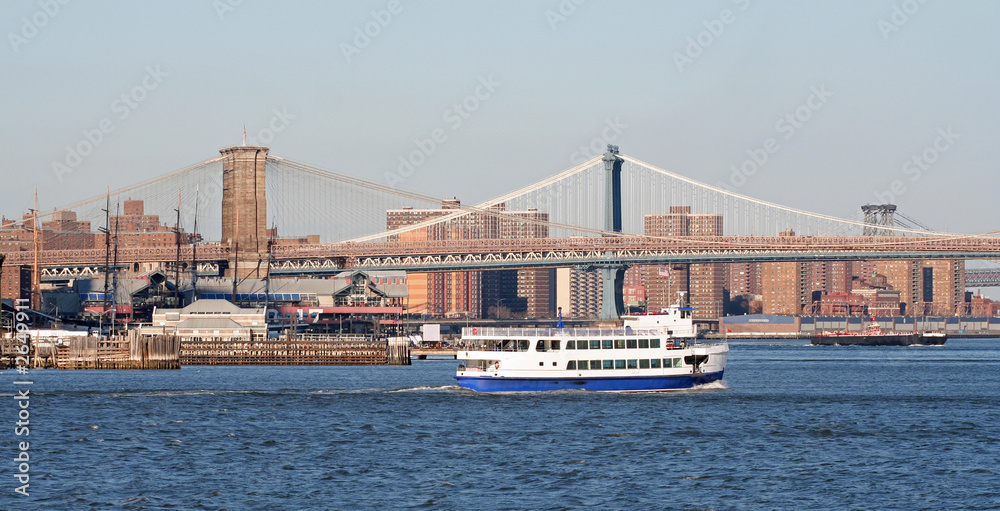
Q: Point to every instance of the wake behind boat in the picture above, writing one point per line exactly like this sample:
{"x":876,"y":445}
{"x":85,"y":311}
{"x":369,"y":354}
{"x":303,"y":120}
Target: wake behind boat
{"x":649,"y":353}
{"x":874,"y":336}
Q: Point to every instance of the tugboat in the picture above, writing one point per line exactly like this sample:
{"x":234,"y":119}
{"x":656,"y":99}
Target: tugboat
{"x":874,"y":336}
{"x":648,"y":353}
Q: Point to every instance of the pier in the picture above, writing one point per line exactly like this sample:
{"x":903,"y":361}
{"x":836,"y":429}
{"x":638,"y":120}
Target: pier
{"x":425,"y":353}
{"x":297,"y":350}
{"x":129,"y":351}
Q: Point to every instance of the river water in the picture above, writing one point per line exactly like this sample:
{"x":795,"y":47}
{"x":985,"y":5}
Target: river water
{"x":792,"y":426}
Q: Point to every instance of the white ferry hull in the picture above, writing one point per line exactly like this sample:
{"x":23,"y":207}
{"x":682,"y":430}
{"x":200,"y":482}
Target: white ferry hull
{"x":651,"y":383}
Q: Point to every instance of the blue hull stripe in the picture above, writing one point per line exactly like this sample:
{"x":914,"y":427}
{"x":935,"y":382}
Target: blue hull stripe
{"x":608,"y":383}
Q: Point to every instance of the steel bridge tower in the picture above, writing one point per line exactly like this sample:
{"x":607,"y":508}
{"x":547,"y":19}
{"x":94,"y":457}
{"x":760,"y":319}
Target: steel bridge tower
{"x":612,"y":275}
{"x":879,"y":219}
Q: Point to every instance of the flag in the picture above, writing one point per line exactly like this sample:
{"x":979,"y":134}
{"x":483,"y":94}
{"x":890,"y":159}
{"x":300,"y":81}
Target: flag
{"x":244,"y":134}
{"x":664,"y":272}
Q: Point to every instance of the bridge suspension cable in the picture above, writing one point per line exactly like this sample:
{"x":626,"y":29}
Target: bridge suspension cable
{"x":361,"y":195}
{"x":745,"y":215}
{"x":122,"y":191}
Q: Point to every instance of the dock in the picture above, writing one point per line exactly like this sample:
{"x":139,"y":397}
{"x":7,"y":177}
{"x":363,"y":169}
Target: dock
{"x":297,"y":350}
{"x":425,"y":353}
{"x":128,"y":351}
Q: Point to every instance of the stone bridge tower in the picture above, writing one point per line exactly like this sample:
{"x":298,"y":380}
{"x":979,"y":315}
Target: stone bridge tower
{"x":244,"y":210}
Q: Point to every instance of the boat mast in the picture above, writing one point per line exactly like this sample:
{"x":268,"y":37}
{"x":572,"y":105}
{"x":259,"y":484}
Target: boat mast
{"x":177,"y":261}
{"x":107,"y":257}
{"x":267,"y":275}
{"x":36,"y":276}
{"x":236,"y":256}
{"x":194,"y":246}
{"x":114,"y":275}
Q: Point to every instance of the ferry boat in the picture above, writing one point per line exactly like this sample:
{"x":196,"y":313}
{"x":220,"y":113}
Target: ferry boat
{"x":874,"y":336}
{"x":648,"y":353}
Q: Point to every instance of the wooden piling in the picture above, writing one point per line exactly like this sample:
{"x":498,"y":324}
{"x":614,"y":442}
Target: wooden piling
{"x":128,"y":351}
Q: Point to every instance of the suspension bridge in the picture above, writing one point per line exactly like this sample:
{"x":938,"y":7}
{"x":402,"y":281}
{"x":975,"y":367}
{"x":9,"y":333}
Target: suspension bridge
{"x":591,"y":215}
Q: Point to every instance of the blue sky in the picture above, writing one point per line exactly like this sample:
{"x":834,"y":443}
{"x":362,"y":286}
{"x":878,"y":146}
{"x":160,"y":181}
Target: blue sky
{"x":690,"y":86}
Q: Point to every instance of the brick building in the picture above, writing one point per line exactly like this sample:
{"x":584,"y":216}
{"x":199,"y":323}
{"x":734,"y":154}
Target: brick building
{"x":702,"y":283}
{"x":579,"y":293}
{"x":465,"y":292}
{"x":784,"y":287}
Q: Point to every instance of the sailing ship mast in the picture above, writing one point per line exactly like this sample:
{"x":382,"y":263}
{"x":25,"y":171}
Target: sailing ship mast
{"x":194,"y":246}
{"x":114,"y":274}
{"x":236,"y":256}
{"x":36,"y":276}
{"x":177,"y":261}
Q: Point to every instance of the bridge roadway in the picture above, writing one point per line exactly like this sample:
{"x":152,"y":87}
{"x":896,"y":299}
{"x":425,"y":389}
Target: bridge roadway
{"x":452,"y":255}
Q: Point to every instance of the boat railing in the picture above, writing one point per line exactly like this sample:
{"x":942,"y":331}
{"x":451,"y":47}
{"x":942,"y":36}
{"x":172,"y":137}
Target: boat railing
{"x":559,"y":332}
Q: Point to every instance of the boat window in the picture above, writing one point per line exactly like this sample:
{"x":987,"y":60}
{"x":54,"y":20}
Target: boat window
{"x":655,"y":363}
{"x":582,"y":364}
{"x":631,"y":343}
{"x":522,"y":345}
{"x":554,"y":345}
{"x":644,"y":363}
{"x":595,"y":345}
{"x":571,"y":345}
{"x":678,"y":362}
{"x":654,"y":343}
{"x":540,"y":345}
{"x":643,"y":343}
{"x":581,"y":345}
{"x":619,"y":364}
{"x":620,"y":344}
{"x":608,"y":364}
{"x":571,"y":365}
{"x":607,"y":344}
{"x":595,"y":364}
{"x":633,"y":364}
